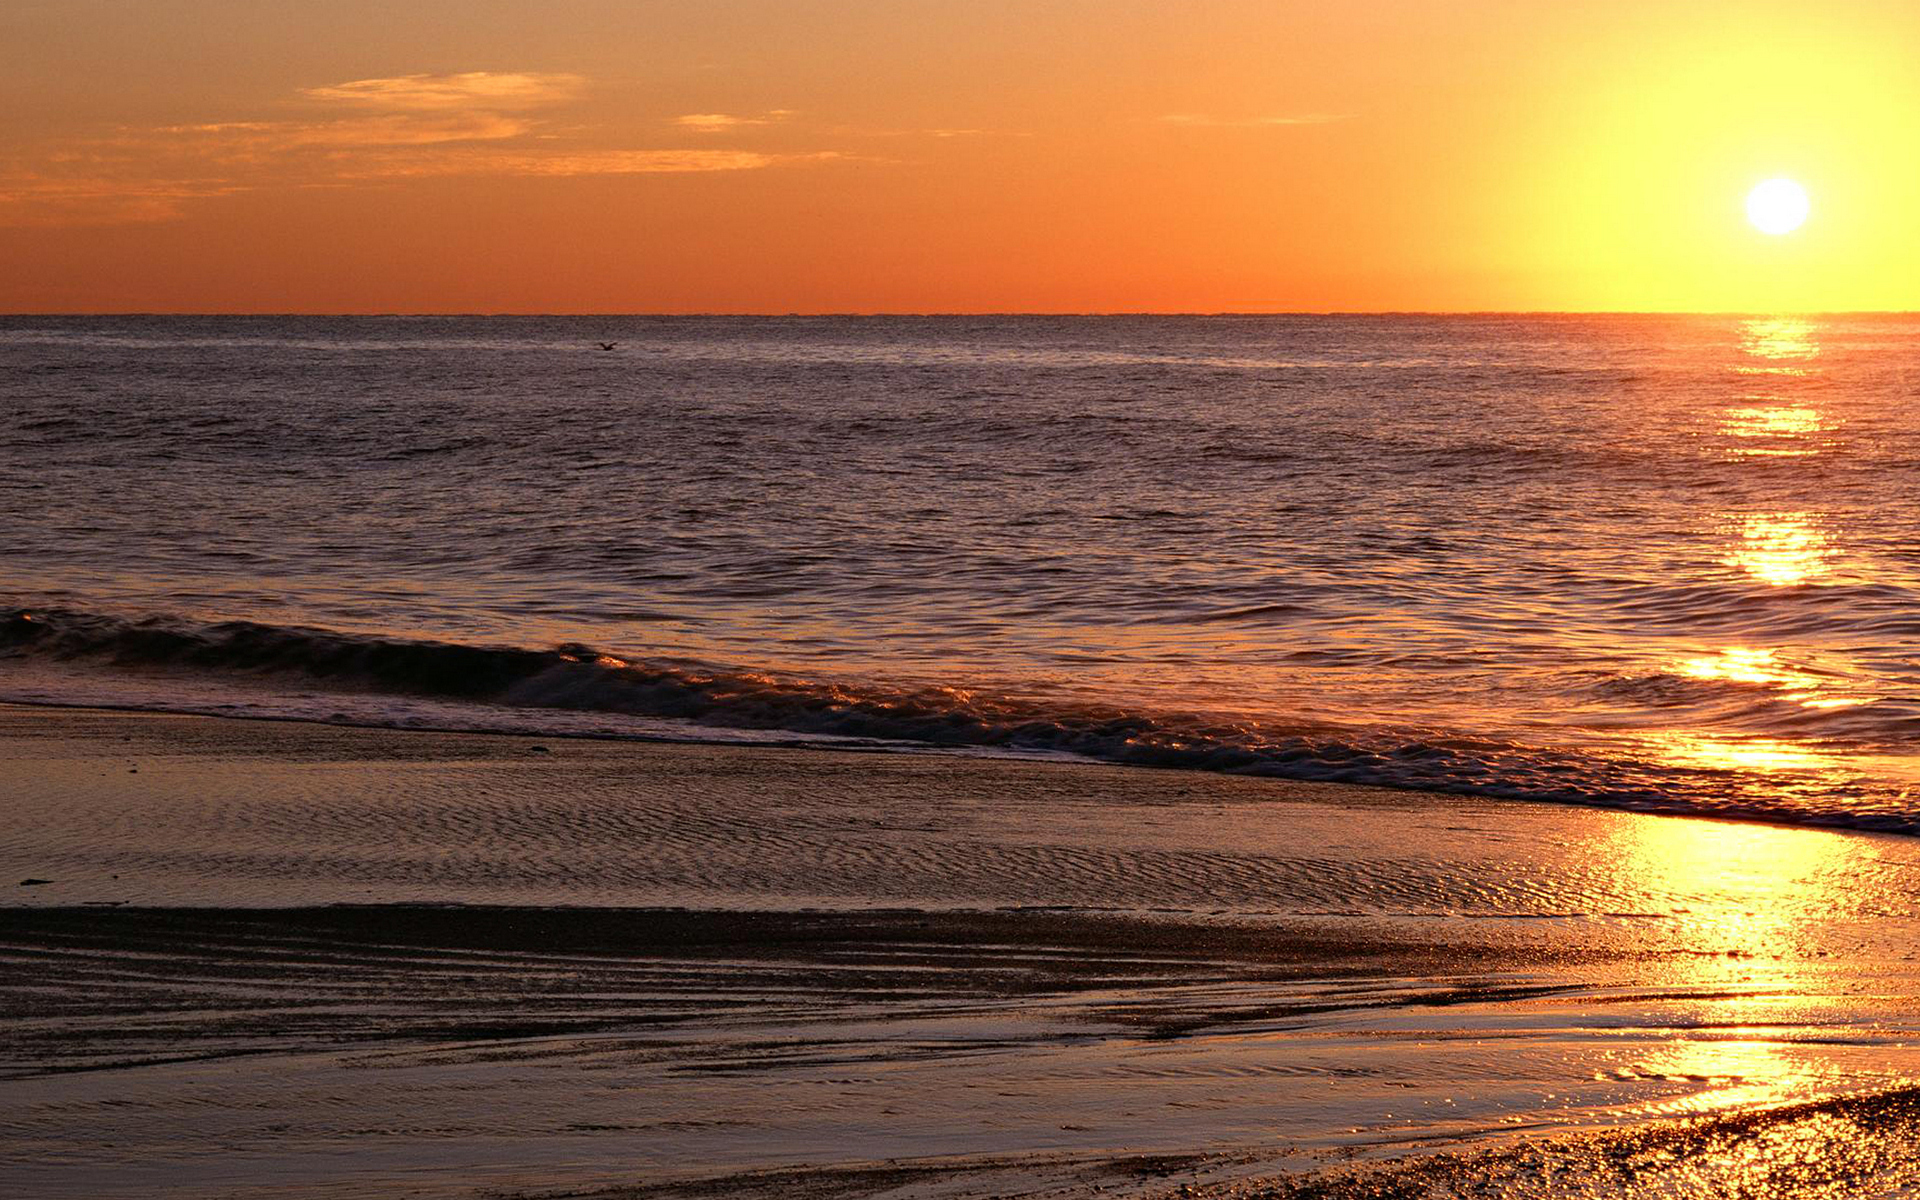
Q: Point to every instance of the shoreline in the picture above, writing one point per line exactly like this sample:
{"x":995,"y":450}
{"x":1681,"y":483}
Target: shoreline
{"x":753,"y":739}
{"x":1841,"y":771}
{"x":1860,"y":1143}
{"x":620,"y":968}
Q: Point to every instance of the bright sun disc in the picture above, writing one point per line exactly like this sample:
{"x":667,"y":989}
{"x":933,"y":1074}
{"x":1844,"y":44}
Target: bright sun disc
{"x":1777,"y":206}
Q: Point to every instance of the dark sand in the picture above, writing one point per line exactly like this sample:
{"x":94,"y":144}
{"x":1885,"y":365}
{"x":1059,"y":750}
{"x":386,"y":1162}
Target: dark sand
{"x":281,"y":959}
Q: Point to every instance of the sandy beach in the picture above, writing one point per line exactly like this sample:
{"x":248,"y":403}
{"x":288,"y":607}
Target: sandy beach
{"x":263,"y":958}
{"x":1056,"y":600}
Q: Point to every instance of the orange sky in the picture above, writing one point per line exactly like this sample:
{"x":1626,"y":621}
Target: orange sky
{"x":940,"y":155}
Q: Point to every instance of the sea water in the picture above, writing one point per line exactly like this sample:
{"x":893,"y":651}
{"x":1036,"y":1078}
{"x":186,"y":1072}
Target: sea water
{"x":1667,"y":562}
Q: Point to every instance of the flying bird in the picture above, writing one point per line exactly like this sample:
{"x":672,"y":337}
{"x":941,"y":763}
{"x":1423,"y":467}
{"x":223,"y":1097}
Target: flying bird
{"x":606,"y":345}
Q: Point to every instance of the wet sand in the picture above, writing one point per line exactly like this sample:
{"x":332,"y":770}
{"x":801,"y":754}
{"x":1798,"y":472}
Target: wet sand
{"x":274,"y":958}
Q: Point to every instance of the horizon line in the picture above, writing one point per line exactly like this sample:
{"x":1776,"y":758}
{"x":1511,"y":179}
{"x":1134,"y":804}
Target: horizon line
{"x":867,"y":314}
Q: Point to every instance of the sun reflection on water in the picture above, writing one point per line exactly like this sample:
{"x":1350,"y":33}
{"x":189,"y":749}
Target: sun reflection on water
{"x":1778,"y":338}
{"x":1776,"y":420}
{"x":1749,"y":893}
{"x":1781,"y":549}
{"x":1766,"y":668}
{"x":1774,"y":430}
{"x":1784,"y":548}
{"x":1749,"y":755}
{"x":1742,"y":665}
{"x":1767,"y":425}
{"x":1748,"y":878}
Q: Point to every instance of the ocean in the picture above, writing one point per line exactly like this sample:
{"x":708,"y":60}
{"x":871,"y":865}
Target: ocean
{"x":1661,"y":563}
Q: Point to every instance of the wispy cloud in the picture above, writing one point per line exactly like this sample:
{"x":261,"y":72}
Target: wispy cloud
{"x":1283,"y":119}
{"x":591,"y":162}
{"x":354,"y":134}
{"x":498,"y":90}
{"x":660,"y":162}
{"x":944,"y":133}
{"x":722,"y":122}
{"x":407,"y":110}
{"x":31,"y":199}
{"x":380,"y":130}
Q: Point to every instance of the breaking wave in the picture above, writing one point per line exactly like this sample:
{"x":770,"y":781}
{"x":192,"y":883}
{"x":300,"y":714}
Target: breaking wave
{"x":577,"y":679}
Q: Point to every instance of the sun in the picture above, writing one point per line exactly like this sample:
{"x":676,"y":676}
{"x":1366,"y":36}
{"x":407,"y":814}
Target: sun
{"x":1777,"y":206}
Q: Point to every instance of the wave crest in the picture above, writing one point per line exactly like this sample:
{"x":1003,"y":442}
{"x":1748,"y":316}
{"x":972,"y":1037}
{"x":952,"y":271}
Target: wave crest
{"x":576,"y":678}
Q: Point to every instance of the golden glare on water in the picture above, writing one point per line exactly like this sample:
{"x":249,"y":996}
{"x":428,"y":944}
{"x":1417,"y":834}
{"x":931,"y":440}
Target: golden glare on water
{"x":1768,"y":424}
{"x":1779,"y":548}
{"x":1747,"y":887}
{"x":1748,"y":891}
{"x":1749,"y":756}
{"x":1778,"y":206}
{"x":1782,"y":549}
{"x":1741,"y":665}
{"x":1775,"y":431}
{"x":1779,"y":337}
{"x":1775,"y":421}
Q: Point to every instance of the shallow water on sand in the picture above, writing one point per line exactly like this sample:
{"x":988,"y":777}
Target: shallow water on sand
{"x":1001,"y":959}
{"x":1656,"y":562}
{"x":153,"y":809}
